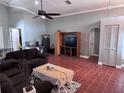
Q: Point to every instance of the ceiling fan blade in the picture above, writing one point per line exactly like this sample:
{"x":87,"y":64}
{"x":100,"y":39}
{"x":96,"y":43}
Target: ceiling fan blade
{"x":35,"y":17}
{"x":49,"y":17}
{"x":53,"y":14}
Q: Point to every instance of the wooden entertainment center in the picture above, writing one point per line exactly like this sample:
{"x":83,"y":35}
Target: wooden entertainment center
{"x":67,"y":43}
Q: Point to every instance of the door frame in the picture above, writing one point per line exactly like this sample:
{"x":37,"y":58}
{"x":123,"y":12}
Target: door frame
{"x":20,"y":37}
{"x":91,"y":43}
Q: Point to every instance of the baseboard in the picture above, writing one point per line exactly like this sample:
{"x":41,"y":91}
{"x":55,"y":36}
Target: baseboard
{"x":86,"y":57}
{"x":95,"y":55}
{"x":100,"y":63}
{"x":122,"y":61}
{"x":122,"y":65}
{"x":118,"y":66}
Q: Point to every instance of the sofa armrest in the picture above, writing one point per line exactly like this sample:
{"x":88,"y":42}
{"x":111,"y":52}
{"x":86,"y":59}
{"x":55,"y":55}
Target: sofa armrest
{"x":8,"y":64}
{"x":6,"y":84}
{"x":42,"y":86}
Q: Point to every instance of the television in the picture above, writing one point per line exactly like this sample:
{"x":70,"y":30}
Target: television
{"x":70,"y":41}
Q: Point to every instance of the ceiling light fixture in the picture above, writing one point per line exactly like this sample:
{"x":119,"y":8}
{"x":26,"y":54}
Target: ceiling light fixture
{"x":43,"y":17}
{"x":36,"y":2}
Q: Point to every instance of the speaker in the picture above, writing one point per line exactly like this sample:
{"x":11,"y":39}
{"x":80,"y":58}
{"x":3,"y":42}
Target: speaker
{"x":46,"y":43}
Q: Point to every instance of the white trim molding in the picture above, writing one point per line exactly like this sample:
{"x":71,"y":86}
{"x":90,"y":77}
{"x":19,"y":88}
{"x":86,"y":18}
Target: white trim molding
{"x":83,"y":56}
{"x":75,"y":13}
{"x":17,"y":7}
{"x":122,"y":65}
{"x":91,"y":10}
{"x":100,"y":63}
{"x":118,"y":66}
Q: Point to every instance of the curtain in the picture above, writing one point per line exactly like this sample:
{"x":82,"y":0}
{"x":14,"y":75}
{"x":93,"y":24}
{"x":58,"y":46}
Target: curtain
{"x":1,"y":39}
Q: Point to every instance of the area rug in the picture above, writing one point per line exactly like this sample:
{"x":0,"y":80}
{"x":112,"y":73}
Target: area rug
{"x":72,"y":88}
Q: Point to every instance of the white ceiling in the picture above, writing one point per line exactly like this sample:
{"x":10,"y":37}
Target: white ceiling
{"x":60,"y":7}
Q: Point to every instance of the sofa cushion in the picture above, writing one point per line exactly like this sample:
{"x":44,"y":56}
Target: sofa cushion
{"x":43,"y":86}
{"x":7,"y":64}
{"x":19,"y":78}
{"x":11,"y":72}
{"x":37,"y":61}
{"x":20,"y":87}
{"x":30,"y":53}
{"x":43,"y":56}
{"x":18,"y":55}
{"x":6,"y":84}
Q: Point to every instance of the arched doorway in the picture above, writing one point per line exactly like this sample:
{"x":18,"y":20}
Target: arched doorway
{"x":94,"y":38}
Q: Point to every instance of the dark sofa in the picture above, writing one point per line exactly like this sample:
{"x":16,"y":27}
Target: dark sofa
{"x":12,"y":79}
{"x":28,"y":58}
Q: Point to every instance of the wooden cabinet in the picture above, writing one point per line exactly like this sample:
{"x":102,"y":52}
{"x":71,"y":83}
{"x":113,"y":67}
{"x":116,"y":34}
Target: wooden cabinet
{"x":67,"y":43}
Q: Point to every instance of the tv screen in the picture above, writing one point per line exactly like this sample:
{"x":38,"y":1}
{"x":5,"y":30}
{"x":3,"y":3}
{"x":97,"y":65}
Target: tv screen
{"x":70,"y":41}
{"x":66,"y":41}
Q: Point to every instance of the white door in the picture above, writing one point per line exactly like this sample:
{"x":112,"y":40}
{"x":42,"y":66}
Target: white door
{"x":110,"y":45}
{"x":91,"y":43}
{"x":94,"y":38}
{"x":14,"y":37}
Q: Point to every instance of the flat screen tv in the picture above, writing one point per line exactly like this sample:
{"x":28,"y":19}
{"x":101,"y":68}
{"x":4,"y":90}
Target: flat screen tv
{"x":70,"y":41}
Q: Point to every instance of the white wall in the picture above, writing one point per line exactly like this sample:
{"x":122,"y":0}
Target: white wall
{"x":83,"y":23}
{"x":16,"y":20}
{"x":4,"y":23}
{"x":33,"y":28}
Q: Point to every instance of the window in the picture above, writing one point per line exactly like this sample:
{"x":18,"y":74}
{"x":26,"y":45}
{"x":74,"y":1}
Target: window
{"x":123,"y":50}
{"x":1,"y":39}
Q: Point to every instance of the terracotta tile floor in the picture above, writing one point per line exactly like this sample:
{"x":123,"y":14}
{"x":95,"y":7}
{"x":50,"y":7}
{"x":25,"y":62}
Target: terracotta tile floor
{"x":94,"y":78}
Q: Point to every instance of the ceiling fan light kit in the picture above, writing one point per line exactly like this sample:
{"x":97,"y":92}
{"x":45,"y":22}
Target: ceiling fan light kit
{"x":36,"y":2}
{"x":43,"y":17}
{"x":68,"y":2}
{"x":43,"y":14}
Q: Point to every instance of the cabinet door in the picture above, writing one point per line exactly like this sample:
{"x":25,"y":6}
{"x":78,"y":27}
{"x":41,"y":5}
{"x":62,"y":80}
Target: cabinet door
{"x":57,"y":43}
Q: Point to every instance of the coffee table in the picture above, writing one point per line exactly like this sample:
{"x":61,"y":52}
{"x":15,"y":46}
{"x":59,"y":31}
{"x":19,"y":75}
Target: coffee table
{"x":58,"y":75}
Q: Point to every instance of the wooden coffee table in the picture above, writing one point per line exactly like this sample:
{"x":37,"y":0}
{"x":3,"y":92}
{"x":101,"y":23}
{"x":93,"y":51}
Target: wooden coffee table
{"x":58,"y":75}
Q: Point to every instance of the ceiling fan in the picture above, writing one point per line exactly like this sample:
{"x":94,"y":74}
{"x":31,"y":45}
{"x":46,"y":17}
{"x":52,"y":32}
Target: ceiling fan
{"x":43,"y":14}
